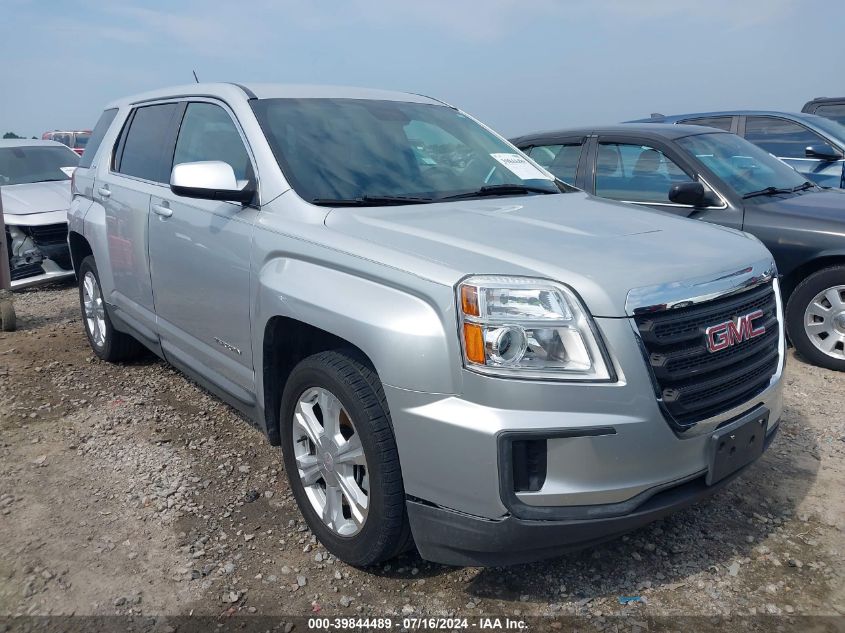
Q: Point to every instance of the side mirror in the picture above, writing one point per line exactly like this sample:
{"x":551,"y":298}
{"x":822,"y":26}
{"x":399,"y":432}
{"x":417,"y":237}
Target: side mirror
{"x":209,"y":180}
{"x":822,"y":152}
{"x":691,"y":193}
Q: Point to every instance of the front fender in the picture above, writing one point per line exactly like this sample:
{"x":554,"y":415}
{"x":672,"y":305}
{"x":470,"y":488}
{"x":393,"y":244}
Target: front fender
{"x":409,"y":334}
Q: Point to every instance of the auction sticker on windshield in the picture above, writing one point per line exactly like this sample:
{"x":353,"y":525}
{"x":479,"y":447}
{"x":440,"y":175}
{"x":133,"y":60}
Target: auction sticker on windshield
{"x":521,"y":167}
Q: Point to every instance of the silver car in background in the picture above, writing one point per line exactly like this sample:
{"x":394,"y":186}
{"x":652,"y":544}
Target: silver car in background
{"x":452,"y":348}
{"x":35,"y":185}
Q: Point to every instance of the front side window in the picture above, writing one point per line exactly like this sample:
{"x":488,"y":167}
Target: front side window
{"x":34,"y":163}
{"x":636,"y":173}
{"x":208,"y":133}
{"x":561,"y":160}
{"x":721,"y":122}
{"x":142,"y":153}
{"x":743,"y":166}
{"x":360,"y":150}
{"x":781,"y":138}
{"x":832,"y":111}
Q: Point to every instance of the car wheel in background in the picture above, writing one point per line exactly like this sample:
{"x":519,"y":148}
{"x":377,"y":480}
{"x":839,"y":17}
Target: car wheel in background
{"x":815,"y":318}
{"x":341,"y":458}
{"x":107,"y":343}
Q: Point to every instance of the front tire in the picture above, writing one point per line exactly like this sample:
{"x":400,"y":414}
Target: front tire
{"x":340,"y":456}
{"x":815,"y":318}
{"x":108,"y":343}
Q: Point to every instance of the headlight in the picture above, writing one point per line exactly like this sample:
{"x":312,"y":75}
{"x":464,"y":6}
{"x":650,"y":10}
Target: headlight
{"x":527,"y":328}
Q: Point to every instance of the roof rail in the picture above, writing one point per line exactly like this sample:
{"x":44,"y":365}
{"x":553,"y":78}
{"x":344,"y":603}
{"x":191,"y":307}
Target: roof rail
{"x":249,"y":93}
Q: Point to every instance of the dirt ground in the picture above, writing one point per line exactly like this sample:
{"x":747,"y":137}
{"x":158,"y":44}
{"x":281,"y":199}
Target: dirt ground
{"x":126,"y":489}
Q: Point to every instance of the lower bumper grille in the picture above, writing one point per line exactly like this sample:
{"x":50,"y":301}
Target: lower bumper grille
{"x":695,"y":383}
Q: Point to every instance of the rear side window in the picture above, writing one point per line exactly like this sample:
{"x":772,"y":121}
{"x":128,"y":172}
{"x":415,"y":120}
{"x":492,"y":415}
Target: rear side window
{"x":780,"y":137}
{"x":721,"y":122}
{"x":208,"y":133}
{"x":93,"y":143}
{"x":561,"y":160}
{"x":834,"y":111}
{"x":143,"y":149}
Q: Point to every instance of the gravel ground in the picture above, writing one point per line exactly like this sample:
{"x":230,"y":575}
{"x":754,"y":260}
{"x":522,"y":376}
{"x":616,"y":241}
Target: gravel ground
{"x":127,"y":489}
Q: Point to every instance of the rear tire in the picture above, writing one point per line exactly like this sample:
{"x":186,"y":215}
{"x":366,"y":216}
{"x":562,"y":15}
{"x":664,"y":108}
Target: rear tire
{"x":375,"y":479}
{"x":815,"y":318}
{"x":108,"y":343}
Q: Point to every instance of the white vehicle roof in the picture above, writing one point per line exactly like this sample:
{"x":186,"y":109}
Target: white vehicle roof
{"x":25,"y":142}
{"x":227,"y":91}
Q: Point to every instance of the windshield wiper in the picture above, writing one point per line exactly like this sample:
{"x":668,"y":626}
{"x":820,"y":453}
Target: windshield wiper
{"x":768,"y":191}
{"x":804,"y":186}
{"x":369,"y":201}
{"x":499,"y":190}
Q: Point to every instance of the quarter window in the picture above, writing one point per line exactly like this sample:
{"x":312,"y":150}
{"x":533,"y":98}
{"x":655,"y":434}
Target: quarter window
{"x":636,"y":173}
{"x":721,"y":122}
{"x":780,"y":137}
{"x":561,"y":160}
{"x":142,"y":154}
{"x":208,"y":133}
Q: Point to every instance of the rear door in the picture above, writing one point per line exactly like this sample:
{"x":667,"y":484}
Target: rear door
{"x":642,"y":171}
{"x":788,"y":140}
{"x":200,"y":258}
{"x":137,"y":170}
{"x":561,"y":156}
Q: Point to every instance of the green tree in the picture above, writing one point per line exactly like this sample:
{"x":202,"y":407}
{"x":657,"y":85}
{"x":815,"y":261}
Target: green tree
{"x":11,"y":135}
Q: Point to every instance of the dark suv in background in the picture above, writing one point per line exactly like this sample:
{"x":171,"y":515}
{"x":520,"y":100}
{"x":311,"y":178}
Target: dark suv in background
{"x":832,"y":108}
{"x":812,"y":145}
{"x":708,"y":174}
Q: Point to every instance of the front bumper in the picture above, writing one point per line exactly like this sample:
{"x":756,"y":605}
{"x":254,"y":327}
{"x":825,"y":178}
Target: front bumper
{"x":453,"y":538}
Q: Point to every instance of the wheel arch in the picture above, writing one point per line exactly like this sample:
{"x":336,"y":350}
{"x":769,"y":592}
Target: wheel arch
{"x":79,"y":249}
{"x":790,"y":281}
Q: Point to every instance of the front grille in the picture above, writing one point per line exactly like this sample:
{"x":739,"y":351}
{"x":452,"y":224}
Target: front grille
{"x":48,"y":234}
{"x":694,"y":383}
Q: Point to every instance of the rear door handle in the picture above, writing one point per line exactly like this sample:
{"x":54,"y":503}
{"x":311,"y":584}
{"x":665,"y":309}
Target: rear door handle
{"x":163,"y":211}
{"x":104,"y":192}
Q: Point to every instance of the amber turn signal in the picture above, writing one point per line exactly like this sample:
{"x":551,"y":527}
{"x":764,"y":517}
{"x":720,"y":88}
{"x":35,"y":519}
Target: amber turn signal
{"x":474,"y":343}
{"x":469,"y":300}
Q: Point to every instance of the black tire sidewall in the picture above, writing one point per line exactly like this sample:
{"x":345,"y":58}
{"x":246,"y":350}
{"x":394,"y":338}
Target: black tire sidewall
{"x":360,"y":548}
{"x":797,"y":305}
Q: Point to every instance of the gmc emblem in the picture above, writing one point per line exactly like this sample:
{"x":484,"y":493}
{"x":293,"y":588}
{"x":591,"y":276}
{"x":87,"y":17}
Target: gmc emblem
{"x":730,"y":333}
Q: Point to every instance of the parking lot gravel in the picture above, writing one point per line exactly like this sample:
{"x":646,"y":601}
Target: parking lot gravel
{"x":127,"y":489}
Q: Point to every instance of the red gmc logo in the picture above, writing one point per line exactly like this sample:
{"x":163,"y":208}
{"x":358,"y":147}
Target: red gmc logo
{"x":730,"y":333}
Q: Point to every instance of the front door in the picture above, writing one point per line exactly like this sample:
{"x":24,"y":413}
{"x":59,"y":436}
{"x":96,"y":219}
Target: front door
{"x":789,"y":141}
{"x":643,"y":172}
{"x":200,"y":260}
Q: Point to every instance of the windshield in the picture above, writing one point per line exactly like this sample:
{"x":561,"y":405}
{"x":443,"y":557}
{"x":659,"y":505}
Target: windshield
{"x":21,"y":165}
{"x":333,"y":150}
{"x":831,"y":127}
{"x":742,"y":165}
{"x":82,"y":139}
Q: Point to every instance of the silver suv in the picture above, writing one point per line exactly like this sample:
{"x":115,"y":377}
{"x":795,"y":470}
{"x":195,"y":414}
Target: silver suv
{"x":452,"y":348}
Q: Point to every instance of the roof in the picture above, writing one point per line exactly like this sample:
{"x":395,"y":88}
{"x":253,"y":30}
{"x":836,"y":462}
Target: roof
{"x":26,"y":142}
{"x":646,"y":130}
{"x":694,"y":115}
{"x":233,"y":91}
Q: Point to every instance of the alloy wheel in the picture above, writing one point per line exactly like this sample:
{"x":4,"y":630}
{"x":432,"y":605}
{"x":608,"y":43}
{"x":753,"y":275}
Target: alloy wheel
{"x":95,"y":314}
{"x":330,"y":461}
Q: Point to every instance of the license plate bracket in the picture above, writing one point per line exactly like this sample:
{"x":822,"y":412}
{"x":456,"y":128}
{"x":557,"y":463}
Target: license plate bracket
{"x":736,"y":445}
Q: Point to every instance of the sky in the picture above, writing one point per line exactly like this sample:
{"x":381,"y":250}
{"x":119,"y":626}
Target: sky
{"x":518,"y":65}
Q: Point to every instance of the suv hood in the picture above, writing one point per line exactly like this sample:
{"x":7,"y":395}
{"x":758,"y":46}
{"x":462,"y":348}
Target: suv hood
{"x":36,"y":197}
{"x":601,"y":249}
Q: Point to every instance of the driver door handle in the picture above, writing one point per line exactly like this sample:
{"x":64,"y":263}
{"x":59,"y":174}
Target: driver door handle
{"x":163,"y":211}
{"x":104,"y":192}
